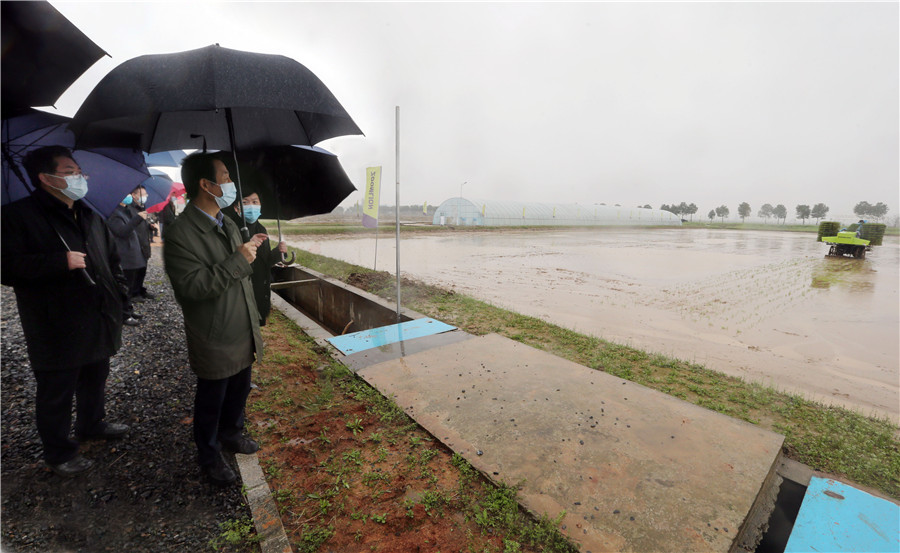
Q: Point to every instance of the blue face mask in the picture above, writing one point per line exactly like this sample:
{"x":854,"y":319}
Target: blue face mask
{"x":229,"y":193}
{"x":128,"y":199}
{"x":252,"y":212}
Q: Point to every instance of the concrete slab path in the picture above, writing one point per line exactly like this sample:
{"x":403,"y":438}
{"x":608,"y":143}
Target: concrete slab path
{"x":632,"y":468}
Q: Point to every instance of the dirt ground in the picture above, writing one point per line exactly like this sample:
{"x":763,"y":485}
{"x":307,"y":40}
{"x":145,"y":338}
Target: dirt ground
{"x":349,"y":473}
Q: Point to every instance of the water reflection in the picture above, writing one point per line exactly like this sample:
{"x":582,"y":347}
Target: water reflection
{"x":854,"y":275}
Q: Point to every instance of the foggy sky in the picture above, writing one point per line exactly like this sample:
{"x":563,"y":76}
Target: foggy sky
{"x":629,"y":103}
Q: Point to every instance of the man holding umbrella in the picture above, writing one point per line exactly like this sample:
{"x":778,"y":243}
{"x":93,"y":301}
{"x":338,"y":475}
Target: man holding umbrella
{"x":59,"y":257}
{"x":209,"y":268}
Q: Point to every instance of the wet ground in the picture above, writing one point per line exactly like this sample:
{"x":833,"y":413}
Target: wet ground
{"x":766,"y":306}
{"x":145,"y":493}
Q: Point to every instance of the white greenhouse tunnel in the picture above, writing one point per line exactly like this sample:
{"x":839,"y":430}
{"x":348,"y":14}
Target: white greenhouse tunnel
{"x":493,"y":213}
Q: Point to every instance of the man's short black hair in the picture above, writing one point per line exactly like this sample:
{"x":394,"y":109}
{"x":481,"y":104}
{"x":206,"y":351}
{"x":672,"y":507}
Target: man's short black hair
{"x":196,"y":166}
{"x":43,"y":160}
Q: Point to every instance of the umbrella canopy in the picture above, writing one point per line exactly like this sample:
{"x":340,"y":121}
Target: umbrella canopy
{"x":212,"y":97}
{"x":294,"y":181}
{"x":43,"y":54}
{"x":114,"y":172}
{"x":158,"y":187}
{"x":165,"y":159}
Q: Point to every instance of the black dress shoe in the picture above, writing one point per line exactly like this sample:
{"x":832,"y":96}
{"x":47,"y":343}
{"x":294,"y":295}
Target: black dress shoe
{"x":137,"y":316}
{"x":130,"y":321}
{"x":110,"y":431}
{"x":219,"y":472}
{"x":73,"y":467}
{"x":241,"y":445}
{"x":148,"y":296}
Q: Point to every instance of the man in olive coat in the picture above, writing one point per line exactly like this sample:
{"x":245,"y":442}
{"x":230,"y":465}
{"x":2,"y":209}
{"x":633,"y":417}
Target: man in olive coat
{"x":61,"y":261}
{"x":209,"y":268}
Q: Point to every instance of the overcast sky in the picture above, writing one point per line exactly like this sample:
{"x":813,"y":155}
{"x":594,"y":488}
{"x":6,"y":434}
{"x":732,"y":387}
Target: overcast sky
{"x":629,"y":103}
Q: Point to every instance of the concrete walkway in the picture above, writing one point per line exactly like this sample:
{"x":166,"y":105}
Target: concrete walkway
{"x":632,"y":468}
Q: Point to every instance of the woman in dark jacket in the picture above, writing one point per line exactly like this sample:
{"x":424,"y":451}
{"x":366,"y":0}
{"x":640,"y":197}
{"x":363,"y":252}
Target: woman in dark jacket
{"x":266,"y":256}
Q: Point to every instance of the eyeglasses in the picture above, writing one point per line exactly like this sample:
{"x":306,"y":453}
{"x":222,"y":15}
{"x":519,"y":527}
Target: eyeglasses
{"x":64,"y":175}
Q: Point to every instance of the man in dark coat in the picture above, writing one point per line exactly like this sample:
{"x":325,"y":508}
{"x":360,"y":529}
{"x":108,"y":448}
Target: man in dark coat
{"x":266,"y":257}
{"x":166,"y":217}
{"x":144,"y":231}
{"x":60,"y":259}
{"x":208,"y":265}
{"x":123,"y":223}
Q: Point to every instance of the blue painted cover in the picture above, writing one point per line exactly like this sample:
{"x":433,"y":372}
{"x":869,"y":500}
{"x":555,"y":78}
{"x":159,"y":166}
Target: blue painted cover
{"x":391,"y":334}
{"x":837,"y":517}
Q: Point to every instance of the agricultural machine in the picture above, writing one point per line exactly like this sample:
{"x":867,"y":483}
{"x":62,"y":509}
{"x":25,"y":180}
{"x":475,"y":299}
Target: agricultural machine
{"x":854,"y":240}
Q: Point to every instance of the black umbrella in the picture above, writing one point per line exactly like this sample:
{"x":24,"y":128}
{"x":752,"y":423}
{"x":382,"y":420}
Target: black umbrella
{"x":215,"y":97}
{"x":43,"y":54}
{"x":174,"y":101}
{"x":294,"y":181}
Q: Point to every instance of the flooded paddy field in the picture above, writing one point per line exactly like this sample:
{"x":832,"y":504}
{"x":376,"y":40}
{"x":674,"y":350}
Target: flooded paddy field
{"x":765,"y":306}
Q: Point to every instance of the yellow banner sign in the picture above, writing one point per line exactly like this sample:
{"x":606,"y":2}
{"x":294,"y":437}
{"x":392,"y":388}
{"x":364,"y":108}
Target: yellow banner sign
{"x":370,"y":201}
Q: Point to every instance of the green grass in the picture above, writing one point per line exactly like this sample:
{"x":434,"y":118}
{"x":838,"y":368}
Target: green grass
{"x":842,"y":442}
{"x":810,"y":226}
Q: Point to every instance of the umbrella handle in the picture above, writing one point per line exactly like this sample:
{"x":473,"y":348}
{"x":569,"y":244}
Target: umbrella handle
{"x":284,"y":258}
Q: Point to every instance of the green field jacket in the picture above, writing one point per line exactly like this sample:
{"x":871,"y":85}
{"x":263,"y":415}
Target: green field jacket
{"x":211,"y":281}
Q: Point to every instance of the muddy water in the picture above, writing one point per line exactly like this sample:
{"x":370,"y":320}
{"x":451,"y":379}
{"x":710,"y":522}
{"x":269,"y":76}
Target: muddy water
{"x":765,"y":306}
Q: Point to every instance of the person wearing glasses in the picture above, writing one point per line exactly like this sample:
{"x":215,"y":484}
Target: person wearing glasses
{"x":60,"y":259}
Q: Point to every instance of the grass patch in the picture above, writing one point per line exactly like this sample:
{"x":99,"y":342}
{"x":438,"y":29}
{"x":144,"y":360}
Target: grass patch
{"x":834,"y":440}
{"x":351,"y":472}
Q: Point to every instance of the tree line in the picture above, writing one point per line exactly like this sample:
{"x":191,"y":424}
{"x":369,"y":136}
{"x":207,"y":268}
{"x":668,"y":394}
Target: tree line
{"x":863,"y":210}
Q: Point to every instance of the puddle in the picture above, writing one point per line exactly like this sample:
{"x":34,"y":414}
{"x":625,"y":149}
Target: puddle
{"x":766,"y":306}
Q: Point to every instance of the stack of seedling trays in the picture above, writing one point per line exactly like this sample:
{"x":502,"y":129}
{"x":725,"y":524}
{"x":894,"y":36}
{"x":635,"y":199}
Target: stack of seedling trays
{"x":828,"y":228}
{"x":873,"y":232}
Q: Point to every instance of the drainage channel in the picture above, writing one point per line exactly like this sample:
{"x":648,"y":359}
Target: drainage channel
{"x":390,"y":355}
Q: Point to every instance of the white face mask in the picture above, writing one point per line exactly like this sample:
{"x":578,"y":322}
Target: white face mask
{"x":143,"y":199}
{"x":229,"y":193}
{"x":76,"y":186}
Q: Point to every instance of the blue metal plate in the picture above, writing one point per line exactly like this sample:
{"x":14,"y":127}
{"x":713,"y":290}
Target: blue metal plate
{"x":391,"y":334}
{"x":836,"y":517}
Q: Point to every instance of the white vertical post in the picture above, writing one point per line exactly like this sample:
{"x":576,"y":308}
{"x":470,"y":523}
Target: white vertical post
{"x":397,"y":188}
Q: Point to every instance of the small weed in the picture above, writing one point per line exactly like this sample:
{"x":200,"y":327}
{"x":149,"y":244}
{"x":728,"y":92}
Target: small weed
{"x":380,"y":519}
{"x":355,"y":426}
{"x":312,"y":538}
{"x":323,"y":436}
{"x":235,"y":533}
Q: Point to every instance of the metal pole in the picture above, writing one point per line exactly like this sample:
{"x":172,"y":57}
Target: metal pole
{"x":397,"y":201}
{"x":245,"y":232}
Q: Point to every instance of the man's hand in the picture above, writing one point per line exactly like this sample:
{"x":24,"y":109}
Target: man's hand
{"x":282,"y":247}
{"x":248,"y":249}
{"x":143,"y":215}
{"x":75,"y":260}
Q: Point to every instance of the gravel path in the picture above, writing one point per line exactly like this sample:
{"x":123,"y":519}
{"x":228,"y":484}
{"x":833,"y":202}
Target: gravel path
{"x":145,"y":493}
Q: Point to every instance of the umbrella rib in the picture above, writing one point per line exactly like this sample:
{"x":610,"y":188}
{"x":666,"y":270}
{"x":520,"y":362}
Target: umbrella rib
{"x":300,"y":123}
{"x":155,"y":128}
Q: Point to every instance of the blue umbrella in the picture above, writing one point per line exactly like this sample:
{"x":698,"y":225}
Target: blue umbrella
{"x":158,"y":187}
{"x":114,"y":172}
{"x":170,"y":158}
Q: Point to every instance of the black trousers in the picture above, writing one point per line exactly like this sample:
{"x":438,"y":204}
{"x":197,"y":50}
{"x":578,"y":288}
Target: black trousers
{"x":53,"y":407}
{"x":219,"y":413}
{"x":134,"y":279}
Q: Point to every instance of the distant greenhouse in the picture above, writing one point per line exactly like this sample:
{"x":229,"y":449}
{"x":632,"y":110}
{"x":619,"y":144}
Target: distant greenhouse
{"x":475,"y":212}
